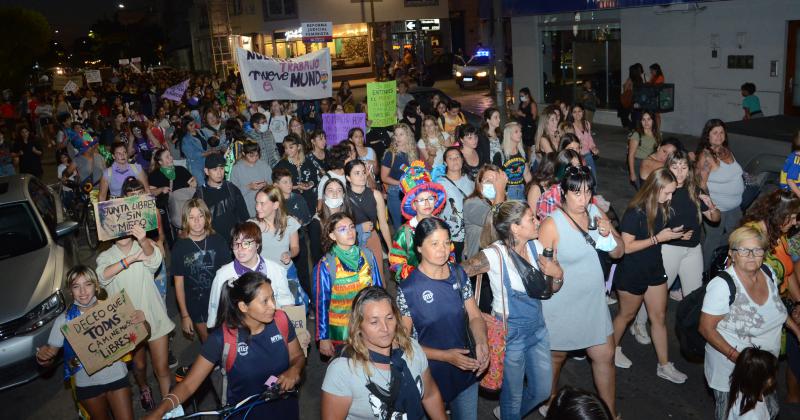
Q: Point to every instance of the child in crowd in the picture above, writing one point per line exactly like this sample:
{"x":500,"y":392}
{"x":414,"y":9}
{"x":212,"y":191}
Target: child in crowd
{"x":753,"y":383}
{"x":790,"y":174}
{"x":751,"y":104}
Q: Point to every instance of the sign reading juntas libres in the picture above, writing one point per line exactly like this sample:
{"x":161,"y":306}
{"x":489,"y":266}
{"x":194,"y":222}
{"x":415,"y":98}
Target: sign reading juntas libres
{"x":116,"y":218}
{"x":105,"y":333}
{"x":306,"y":77}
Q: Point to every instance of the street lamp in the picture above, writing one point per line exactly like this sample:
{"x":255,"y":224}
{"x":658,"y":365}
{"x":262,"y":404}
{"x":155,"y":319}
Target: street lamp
{"x":121,"y":6}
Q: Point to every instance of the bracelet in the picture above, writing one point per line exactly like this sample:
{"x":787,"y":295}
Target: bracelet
{"x":122,"y":263}
{"x":167,"y":397}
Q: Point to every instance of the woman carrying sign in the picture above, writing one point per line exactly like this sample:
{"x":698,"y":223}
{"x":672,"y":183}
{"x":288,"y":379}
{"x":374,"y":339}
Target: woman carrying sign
{"x":130,"y":264}
{"x":106,"y":388}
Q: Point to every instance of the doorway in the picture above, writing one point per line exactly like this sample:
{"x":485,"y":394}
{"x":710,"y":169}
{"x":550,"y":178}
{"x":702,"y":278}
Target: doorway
{"x":791,"y":92}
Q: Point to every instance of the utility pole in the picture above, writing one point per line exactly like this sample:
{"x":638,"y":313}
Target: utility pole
{"x":498,"y":35}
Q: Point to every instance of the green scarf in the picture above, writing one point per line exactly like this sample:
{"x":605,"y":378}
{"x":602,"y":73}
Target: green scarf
{"x":349,"y":258}
{"x":168,"y":172}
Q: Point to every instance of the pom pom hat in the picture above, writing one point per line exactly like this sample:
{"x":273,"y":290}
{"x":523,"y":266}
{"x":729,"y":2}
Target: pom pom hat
{"x":416,"y":180}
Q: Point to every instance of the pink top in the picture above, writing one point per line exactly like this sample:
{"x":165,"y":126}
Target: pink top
{"x":587,"y":142}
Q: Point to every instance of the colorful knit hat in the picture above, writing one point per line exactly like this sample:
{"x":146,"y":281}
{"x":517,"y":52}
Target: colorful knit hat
{"x":416,"y":180}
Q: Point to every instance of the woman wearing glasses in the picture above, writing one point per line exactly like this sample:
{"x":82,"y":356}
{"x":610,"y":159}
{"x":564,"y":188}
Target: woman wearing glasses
{"x":422,"y":199}
{"x":754,"y":318}
{"x":345,"y":270}
{"x":575,"y":231}
{"x":246,"y":239}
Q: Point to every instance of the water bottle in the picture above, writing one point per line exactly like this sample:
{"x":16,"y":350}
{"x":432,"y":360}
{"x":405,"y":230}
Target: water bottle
{"x":548,"y":280}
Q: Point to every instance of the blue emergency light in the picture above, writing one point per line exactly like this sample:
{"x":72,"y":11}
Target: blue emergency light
{"x":482,"y":53}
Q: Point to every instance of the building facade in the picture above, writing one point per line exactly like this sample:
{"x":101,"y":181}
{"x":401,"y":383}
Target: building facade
{"x":708,"y":49}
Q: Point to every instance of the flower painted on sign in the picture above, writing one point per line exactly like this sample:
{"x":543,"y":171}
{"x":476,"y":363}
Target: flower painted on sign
{"x":132,"y":337}
{"x":267,"y":86}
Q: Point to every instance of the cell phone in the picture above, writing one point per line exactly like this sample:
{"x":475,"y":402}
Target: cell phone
{"x":271,"y":381}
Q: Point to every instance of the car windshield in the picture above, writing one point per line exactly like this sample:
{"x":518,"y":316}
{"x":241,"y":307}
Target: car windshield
{"x":479,"y":61}
{"x":20,"y":231}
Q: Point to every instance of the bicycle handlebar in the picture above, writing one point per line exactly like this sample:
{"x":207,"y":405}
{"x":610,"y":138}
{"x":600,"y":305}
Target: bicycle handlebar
{"x":270,"y":394}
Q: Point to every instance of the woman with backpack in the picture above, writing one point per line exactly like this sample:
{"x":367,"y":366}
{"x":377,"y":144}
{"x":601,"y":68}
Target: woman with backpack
{"x":345,"y":270}
{"x":263,"y":353}
{"x":744,"y":292}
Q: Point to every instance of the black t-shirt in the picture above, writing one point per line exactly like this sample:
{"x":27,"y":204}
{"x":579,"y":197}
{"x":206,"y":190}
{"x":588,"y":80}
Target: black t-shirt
{"x":227,"y":207}
{"x":684,"y":212}
{"x":258,"y":358}
{"x":647,"y":262}
{"x":158,"y":180}
{"x":198,"y":263}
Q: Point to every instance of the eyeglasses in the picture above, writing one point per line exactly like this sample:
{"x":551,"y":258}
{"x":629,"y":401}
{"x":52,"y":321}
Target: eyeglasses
{"x":341,"y":230}
{"x":750,"y":252}
{"x":244,"y":244}
{"x":431,"y":199}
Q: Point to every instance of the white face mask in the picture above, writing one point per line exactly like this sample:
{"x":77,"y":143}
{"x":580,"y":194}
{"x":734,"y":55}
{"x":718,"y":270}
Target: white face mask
{"x":334,"y":203}
{"x":263,"y":128}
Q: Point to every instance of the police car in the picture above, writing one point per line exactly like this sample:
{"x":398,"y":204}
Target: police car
{"x":474,"y":72}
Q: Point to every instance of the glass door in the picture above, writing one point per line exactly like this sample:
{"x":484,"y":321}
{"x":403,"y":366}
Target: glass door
{"x":791,"y":95}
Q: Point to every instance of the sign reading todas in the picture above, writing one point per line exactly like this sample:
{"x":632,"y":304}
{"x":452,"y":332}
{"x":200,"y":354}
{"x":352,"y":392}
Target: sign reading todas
{"x":302,"y":78}
{"x":105,"y":333}
{"x":382,"y":103}
{"x":337,"y":126}
{"x":116,"y":218}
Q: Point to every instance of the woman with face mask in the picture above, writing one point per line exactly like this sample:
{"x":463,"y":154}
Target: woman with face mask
{"x":332,"y":202}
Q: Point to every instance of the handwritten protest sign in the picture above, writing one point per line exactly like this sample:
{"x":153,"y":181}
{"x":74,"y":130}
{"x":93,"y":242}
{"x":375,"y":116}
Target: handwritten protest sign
{"x":70,"y":87}
{"x":175,"y":93}
{"x":61,"y":80}
{"x":116,"y":218}
{"x":105,"y":333}
{"x":305,"y":77}
{"x":337,"y":126}
{"x":382,"y":103}
{"x":93,"y":76}
{"x":297,"y":316}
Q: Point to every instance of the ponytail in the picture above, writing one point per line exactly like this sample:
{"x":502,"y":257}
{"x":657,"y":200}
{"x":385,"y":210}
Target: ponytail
{"x":244,"y":289}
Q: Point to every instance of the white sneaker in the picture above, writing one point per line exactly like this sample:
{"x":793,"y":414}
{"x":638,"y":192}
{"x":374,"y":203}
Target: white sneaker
{"x":496,"y":412}
{"x":671,"y":374}
{"x":543,"y":409}
{"x":610,"y":300}
{"x":620,"y":360}
{"x":676,"y":295}
{"x":639,"y":332}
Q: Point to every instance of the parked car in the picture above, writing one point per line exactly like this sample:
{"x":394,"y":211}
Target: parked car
{"x":475,"y":72}
{"x":423,"y":95}
{"x":37,"y":248}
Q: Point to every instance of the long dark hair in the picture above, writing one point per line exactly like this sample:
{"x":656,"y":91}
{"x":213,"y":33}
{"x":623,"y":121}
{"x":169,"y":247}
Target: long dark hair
{"x":330,"y":225}
{"x":244,"y":289}
{"x":577,"y":404}
{"x":773,"y":209}
{"x":753,"y":377}
{"x":487,"y":115}
{"x":705,"y":141}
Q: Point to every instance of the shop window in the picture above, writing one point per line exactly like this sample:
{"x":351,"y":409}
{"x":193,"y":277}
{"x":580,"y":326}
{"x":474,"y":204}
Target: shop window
{"x":279,"y":9}
{"x":571,"y":57}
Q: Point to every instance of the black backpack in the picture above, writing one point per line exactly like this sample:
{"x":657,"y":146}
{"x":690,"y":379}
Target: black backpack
{"x":687,"y":317}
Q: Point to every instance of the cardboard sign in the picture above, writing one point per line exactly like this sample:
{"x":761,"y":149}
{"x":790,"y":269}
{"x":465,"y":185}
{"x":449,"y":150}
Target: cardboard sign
{"x":297,"y":316}
{"x":382,"y":103}
{"x":116,"y":218}
{"x":124,"y":61}
{"x":60,"y":81}
{"x":317,"y":31}
{"x":105,"y":333}
{"x":70,"y":87}
{"x":93,"y":76}
{"x":337,"y":126}
{"x":301,"y":78}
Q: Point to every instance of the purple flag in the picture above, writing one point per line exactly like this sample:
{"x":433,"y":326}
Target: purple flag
{"x":336,"y":126}
{"x":175,"y":93}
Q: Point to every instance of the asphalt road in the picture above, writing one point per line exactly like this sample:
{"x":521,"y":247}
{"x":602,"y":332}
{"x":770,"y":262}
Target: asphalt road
{"x":640,"y":393}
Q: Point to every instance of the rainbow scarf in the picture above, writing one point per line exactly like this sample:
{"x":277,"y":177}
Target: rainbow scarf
{"x":348,"y":282}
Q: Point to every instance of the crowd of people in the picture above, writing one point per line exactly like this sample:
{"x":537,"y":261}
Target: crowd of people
{"x":260,"y":212}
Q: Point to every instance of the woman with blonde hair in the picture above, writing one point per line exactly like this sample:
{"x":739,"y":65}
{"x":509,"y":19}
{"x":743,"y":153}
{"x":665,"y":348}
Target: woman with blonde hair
{"x":280,"y":240}
{"x":402,"y":151}
{"x":641,"y":276}
{"x":432,"y":143}
{"x":514,"y":162}
{"x":196,"y":257}
{"x":547,"y":134}
{"x":382,"y":373}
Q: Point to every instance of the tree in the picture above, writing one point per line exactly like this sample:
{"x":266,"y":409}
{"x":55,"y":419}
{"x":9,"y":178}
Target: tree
{"x":26,"y":34}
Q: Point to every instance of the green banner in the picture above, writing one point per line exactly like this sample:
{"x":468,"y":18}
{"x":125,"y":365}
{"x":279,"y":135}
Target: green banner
{"x":382,"y":103}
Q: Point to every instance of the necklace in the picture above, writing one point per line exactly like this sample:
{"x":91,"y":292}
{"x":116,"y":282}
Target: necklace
{"x":358,"y":197}
{"x":382,"y":376}
{"x":205,"y":244}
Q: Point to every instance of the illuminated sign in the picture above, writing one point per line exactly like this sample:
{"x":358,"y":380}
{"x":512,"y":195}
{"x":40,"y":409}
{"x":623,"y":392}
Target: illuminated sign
{"x":294,"y":34}
{"x":482,"y":53}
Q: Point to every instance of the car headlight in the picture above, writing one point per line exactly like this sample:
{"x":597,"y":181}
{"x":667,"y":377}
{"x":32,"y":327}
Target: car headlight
{"x":458,"y":74}
{"x":42,"y":313}
{"x":481,"y":74}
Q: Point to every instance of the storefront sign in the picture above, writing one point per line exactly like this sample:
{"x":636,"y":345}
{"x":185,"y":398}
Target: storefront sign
{"x":430,"y":24}
{"x":116,"y":218}
{"x":317,"y":31}
{"x":266,"y":78}
{"x":337,"y":126}
{"x":105,"y":333}
{"x":382,"y":103}
{"x":93,"y":76}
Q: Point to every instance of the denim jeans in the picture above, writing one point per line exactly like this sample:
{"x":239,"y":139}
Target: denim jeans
{"x":394,"y":206}
{"x":516,"y":192}
{"x":527,"y":357}
{"x":7,"y":169}
{"x":465,"y":405}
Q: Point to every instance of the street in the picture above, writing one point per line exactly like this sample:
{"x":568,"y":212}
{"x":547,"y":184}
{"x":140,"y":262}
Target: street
{"x":640,"y":393}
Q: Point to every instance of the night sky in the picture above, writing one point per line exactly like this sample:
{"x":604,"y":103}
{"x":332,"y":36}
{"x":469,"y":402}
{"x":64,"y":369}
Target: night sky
{"x":72,"y":18}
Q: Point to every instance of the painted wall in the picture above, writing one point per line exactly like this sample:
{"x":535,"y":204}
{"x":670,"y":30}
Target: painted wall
{"x":681,"y":42}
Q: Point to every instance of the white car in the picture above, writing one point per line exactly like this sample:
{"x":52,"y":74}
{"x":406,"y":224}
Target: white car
{"x":474,"y":72}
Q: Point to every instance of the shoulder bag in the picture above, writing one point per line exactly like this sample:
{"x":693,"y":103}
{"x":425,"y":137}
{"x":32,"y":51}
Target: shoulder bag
{"x":496,"y":331}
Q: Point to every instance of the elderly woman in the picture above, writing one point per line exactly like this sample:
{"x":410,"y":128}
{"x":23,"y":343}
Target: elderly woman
{"x":575,"y":231}
{"x":746,"y":291}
